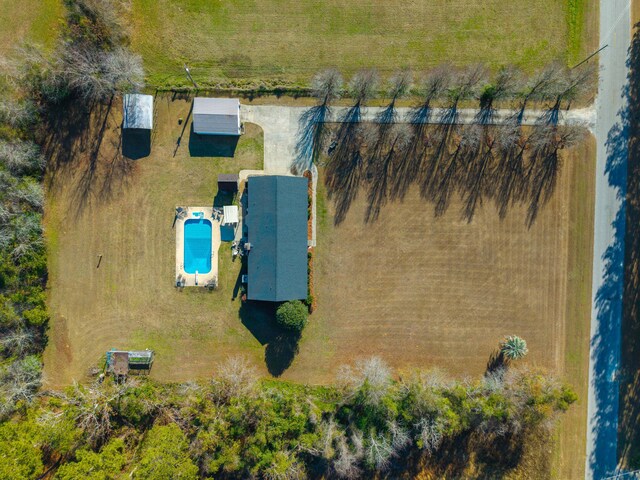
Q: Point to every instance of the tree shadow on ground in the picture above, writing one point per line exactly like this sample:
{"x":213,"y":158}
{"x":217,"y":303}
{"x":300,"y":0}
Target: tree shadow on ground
{"x":212,"y":145}
{"x":606,"y":343}
{"x":281,"y":346}
{"x":466,"y":455}
{"x":84,"y":152}
{"x":136,"y":143}
{"x":629,"y":417}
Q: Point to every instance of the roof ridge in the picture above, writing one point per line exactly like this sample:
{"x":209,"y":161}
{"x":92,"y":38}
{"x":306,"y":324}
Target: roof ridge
{"x":277,"y":231}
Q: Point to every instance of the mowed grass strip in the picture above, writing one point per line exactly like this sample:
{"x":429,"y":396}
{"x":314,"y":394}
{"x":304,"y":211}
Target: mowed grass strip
{"x":289,"y":40}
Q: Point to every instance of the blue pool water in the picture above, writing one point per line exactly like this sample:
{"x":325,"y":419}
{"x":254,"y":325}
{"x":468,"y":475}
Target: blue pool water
{"x":197,"y":246}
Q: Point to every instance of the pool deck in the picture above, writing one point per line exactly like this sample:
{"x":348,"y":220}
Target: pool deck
{"x":189,"y":279}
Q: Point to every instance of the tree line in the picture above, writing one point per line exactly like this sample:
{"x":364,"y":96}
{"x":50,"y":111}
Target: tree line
{"x":89,"y":64}
{"x":237,"y":426}
{"x":505,"y":161}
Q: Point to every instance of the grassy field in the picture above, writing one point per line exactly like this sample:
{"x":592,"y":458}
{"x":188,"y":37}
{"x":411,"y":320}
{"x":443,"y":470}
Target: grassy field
{"x":34,"y":20}
{"x":287,"y":41}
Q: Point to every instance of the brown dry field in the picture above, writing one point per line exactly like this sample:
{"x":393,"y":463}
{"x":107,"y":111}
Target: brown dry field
{"x":124,"y":209}
{"x":427,"y":292}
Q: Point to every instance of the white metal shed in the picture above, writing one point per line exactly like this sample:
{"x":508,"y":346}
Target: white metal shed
{"x":137,"y":111}
{"x":230,"y":214}
{"x":216,"y":116}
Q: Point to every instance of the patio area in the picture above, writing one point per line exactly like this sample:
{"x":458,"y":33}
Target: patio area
{"x":191,"y":264}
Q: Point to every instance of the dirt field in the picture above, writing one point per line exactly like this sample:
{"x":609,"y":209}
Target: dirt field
{"x":290,"y":40}
{"x":124,"y":209}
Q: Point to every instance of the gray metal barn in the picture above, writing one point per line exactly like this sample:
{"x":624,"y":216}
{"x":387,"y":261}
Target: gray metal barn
{"x":216,"y":116}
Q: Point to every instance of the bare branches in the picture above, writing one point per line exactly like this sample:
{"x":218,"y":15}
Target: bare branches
{"x":235,"y":377}
{"x":97,"y":75}
{"x":399,"y":84}
{"x":21,"y":157}
{"x":326,"y":85}
{"x":363,"y":86}
{"x":370,"y":379}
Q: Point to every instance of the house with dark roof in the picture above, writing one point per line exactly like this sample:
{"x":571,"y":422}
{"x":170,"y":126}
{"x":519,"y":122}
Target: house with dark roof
{"x":276,"y":222}
{"x":216,"y":116}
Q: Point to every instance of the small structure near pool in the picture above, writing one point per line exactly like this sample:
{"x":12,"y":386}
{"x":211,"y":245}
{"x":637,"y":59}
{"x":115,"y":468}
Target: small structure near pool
{"x":276,"y":222}
{"x":228,"y":182}
{"x":216,"y":116}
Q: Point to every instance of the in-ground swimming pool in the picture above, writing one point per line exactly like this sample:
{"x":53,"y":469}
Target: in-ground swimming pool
{"x":197,"y":246}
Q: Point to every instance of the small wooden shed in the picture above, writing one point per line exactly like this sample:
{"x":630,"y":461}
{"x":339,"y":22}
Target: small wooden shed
{"x":228,"y":182}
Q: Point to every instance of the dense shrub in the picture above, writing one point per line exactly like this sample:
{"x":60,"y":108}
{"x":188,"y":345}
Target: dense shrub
{"x":292,"y":315}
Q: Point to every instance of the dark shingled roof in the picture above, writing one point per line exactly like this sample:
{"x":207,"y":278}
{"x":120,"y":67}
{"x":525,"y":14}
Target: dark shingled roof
{"x":277,"y":231}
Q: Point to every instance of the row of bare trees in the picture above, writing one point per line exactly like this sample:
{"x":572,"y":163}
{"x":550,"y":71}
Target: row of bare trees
{"x":502,"y":160}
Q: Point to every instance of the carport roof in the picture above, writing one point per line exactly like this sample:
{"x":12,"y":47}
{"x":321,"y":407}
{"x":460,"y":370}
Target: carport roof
{"x":137,"y":111}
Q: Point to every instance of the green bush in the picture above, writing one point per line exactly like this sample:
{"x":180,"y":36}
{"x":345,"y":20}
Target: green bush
{"x":165,"y":456}
{"x":292,"y":315}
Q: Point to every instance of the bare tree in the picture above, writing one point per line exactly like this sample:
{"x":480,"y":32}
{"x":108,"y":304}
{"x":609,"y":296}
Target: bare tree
{"x":430,"y":433}
{"x":363,"y":86}
{"x":18,"y":342}
{"x":345,"y":464}
{"x":20,"y":157}
{"x":512,"y":144}
{"x":504,"y":87}
{"x":326,"y":86}
{"x":312,"y":131}
{"x":545,"y":163}
{"x":96,"y":74}
{"x":234,"y":378}
{"x":378,"y":451}
{"x":409,"y":164}
{"x":18,"y":114}
{"x":29,"y":191}
{"x":27,"y":235}
{"x":371,"y":378}
{"x":19,"y":382}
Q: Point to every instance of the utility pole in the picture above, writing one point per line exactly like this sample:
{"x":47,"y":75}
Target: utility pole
{"x":186,"y":69}
{"x":592,"y":55}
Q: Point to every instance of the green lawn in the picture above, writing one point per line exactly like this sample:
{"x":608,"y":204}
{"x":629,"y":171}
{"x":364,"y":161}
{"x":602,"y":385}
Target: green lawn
{"x":271,"y":42}
{"x":33,"y":20}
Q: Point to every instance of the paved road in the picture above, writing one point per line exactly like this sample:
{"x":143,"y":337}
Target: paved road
{"x":607,"y":286}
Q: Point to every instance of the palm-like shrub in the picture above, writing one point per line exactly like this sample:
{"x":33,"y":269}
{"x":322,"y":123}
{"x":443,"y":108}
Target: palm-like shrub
{"x":513,"y":347}
{"x":292,"y":315}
